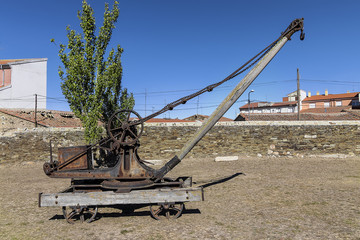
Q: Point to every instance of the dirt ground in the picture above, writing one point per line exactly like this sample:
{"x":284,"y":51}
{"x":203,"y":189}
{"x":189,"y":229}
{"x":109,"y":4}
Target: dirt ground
{"x":266,"y":198}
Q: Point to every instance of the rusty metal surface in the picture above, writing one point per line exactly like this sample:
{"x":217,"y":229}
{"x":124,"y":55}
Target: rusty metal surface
{"x":81,"y":162}
{"x":168,"y":210}
{"x":129,"y":166}
{"x":122,"y":127}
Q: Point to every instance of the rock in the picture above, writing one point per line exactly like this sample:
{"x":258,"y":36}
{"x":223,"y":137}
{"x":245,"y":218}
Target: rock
{"x":310,"y":136}
{"x":226,"y":159}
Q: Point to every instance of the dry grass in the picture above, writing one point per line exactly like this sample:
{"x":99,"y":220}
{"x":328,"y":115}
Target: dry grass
{"x":272,"y":198}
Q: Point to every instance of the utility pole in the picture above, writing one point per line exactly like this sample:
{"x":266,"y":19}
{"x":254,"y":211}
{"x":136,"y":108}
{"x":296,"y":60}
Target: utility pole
{"x":145,"y":101}
{"x":197,"y":107}
{"x":298,"y":95}
{"x":35,"y":110}
{"x":249,"y":104}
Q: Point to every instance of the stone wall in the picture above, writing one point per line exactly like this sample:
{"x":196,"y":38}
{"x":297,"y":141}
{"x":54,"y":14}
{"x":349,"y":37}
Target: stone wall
{"x":33,"y":144}
{"x":163,"y":140}
{"x":255,"y":138}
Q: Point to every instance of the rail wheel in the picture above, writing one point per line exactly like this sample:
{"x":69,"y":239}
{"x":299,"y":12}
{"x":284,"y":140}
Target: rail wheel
{"x":168,"y":211}
{"x":79,"y":213}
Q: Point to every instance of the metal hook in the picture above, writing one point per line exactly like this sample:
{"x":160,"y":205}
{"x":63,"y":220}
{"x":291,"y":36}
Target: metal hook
{"x":302,"y":35}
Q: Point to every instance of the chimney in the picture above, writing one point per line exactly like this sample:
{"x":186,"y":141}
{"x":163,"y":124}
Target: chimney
{"x":347,"y":91}
{"x":317,"y":93}
{"x":309,"y":94}
{"x":326,"y":92}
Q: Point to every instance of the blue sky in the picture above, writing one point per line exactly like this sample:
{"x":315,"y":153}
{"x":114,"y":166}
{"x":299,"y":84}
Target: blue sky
{"x":173,"y":48}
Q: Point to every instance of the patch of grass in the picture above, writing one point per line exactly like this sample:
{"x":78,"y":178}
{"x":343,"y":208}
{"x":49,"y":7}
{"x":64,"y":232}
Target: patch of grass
{"x":287,"y":203}
{"x":156,"y":237}
{"x":352,"y":176}
{"x":296,"y":229}
{"x":322,"y":203}
{"x":350,"y":222}
{"x":219,"y":223}
{"x":231,"y":227}
{"x":124,"y":231}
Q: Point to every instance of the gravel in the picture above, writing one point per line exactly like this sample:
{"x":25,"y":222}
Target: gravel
{"x":252,"y":198}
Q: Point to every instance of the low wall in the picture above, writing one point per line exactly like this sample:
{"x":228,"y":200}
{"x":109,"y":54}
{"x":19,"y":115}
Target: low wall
{"x":163,"y":140}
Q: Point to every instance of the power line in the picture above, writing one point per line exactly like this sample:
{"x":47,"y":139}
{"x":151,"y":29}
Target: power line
{"x":255,"y":84}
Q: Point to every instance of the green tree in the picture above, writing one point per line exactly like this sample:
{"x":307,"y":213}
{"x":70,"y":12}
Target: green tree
{"x":91,"y":82}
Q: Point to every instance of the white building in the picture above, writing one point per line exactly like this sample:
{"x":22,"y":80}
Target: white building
{"x":288,"y":105}
{"x":20,"y":80}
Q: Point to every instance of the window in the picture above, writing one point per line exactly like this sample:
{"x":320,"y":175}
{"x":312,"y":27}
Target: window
{"x":355,"y":104}
{"x":312,"y":105}
{"x":326,"y":104}
{"x":5,"y":76}
{"x":338,"y":103}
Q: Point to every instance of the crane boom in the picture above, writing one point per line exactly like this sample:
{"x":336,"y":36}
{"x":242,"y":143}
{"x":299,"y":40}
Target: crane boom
{"x":233,"y":96}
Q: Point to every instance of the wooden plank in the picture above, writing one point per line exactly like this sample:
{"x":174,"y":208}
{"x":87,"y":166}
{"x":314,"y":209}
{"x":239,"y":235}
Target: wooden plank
{"x":110,"y":198}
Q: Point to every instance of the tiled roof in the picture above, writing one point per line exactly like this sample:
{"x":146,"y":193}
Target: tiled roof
{"x":303,"y":117}
{"x":268,"y":104}
{"x":252,"y":105}
{"x":161,"y":120}
{"x":7,"y":61}
{"x":51,"y":118}
{"x":198,"y":117}
{"x":326,"y":110}
{"x":21,"y":61}
{"x":279,"y":104}
{"x":331,"y":96}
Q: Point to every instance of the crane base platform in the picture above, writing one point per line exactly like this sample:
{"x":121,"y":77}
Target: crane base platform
{"x":152,"y":196}
{"x":165,"y":202}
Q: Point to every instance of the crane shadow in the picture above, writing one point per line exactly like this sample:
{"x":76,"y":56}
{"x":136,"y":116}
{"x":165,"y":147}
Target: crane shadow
{"x":218,"y":181}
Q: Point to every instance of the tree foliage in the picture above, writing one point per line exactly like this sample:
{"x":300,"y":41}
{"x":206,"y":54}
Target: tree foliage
{"x":91,"y":77}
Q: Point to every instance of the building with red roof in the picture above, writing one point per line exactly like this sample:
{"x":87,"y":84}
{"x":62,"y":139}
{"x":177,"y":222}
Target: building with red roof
{"x":313,"y":108}
{"x":327,"y":103}
{"x":288,"y":105}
